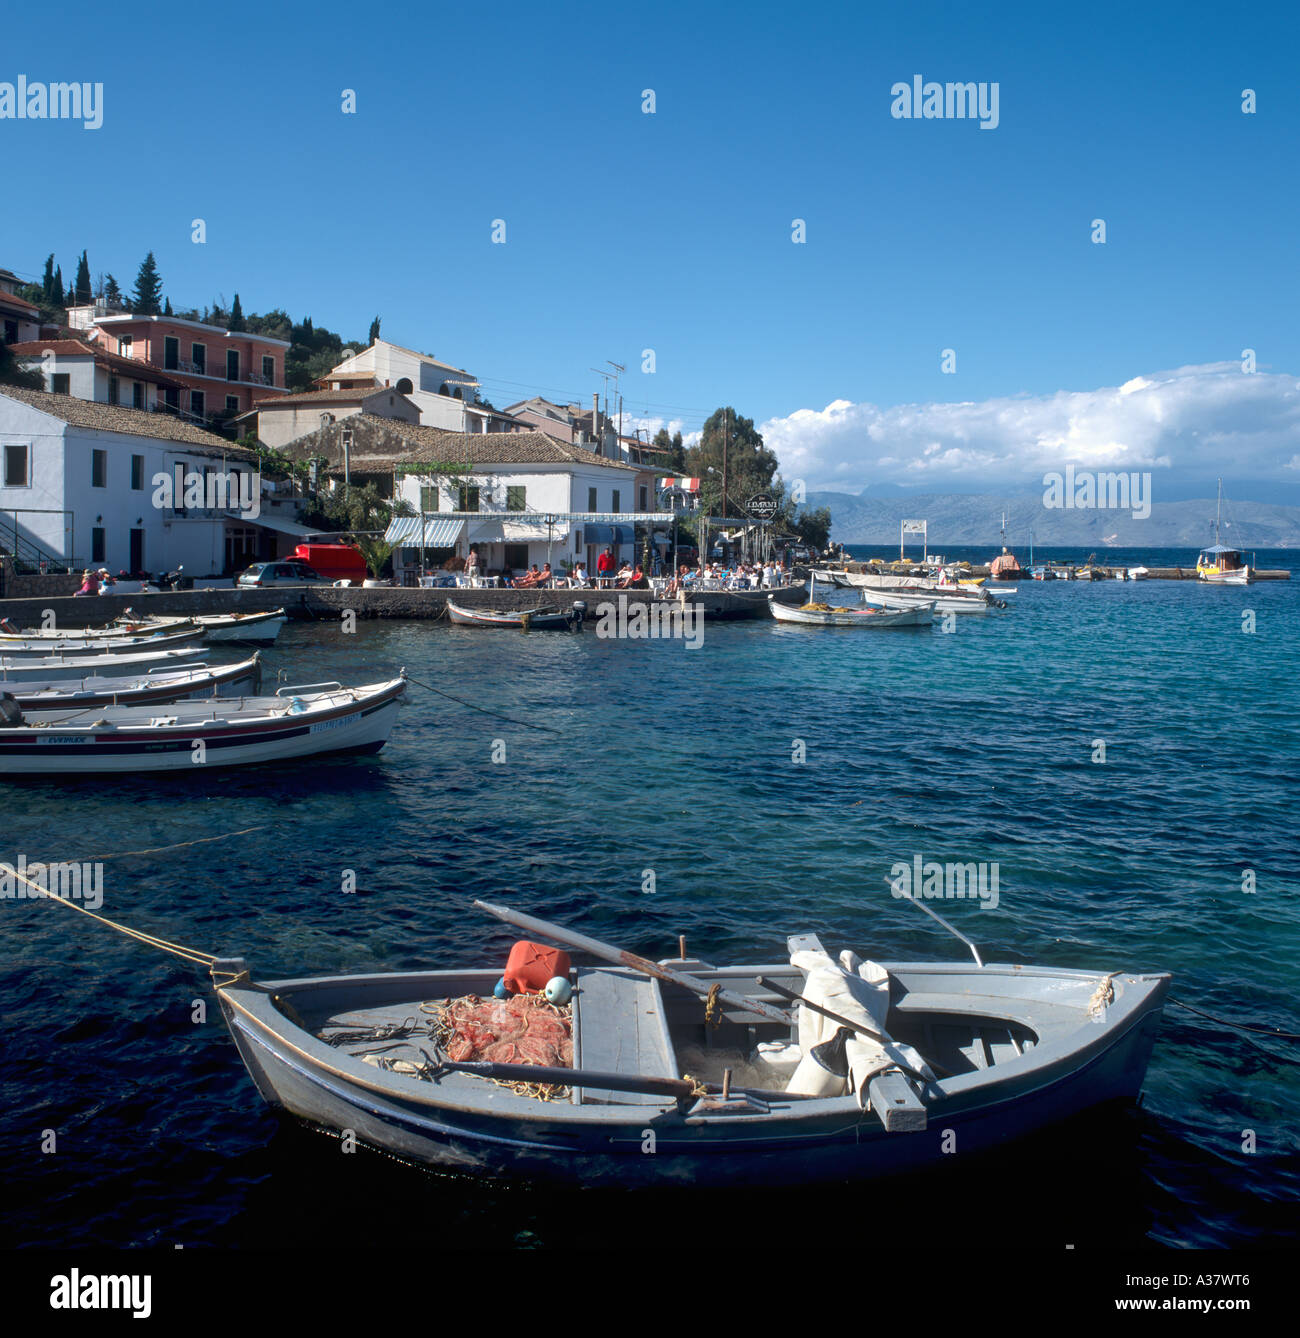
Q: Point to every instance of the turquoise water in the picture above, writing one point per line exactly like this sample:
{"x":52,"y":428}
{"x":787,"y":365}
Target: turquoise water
{"x":677,"y":763}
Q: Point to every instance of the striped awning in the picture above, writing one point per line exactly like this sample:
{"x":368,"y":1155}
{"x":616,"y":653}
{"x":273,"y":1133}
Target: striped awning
{"x":423,"y":532}
{"x":517,"y":528}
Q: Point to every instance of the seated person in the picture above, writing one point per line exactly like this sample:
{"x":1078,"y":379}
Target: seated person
{"x":89,"y":583}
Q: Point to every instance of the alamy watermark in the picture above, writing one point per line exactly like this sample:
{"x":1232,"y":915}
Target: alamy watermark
{"x":928,"y":880}
{"x":23,"y":101}
{"x":213,"y":490}
{"x":667,"y":620}
{"x":72,"y":882}
{"x":923,"y":101}
{"x":1083,"y":490}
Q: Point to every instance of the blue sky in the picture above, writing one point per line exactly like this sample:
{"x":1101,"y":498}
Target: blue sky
{"x":672,"y":231}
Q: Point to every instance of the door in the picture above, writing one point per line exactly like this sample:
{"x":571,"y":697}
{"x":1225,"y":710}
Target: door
{"x":137,"y":552}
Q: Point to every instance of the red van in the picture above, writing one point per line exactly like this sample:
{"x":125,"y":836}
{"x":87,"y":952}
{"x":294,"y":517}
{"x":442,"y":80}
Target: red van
{"x":335,"y":562}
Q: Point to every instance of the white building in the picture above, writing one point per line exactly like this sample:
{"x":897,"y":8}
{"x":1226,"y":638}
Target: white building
{"x":78,"y":487}
{"x":446,"y":396}
{"x":516,"y":498}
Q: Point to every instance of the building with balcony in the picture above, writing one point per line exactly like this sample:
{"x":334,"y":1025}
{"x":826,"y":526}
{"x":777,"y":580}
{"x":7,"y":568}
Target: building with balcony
{"x":217,"y":373}
{"x":88,"y":371}
{"x":276,"y":422}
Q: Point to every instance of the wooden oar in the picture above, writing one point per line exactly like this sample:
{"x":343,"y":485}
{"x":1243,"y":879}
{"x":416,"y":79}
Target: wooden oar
{"x":643,"y":964}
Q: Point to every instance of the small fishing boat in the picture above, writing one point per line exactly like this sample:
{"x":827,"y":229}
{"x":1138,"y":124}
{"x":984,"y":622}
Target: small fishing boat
{"x":110,"y":645}
{"x":1043,"y":574}
{"x":261,"y":627}
{"x":124,"y":627}
{"x":194,"y":682}
{"x":55,"y":666}
{"x":876,"y":1069}
{"x":1138,"y":573}
{"x":822,"y":615}
{"x":185,"y":736}
{"x":975,"y":601}
{"x":1219,"y":564}
{"x":526,"y":620}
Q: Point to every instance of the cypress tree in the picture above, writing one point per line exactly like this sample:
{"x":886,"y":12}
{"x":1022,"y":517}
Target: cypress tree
{"x":147,"y":298}
{"x":82,"y":292}
{"x":47,"y":282}
{"x":58,"y":286}
{"x":167,"y":306}
{"x":237,"y":322}
{"x":374,"y":330}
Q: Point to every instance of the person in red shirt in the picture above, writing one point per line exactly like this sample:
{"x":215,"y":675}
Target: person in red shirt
{"x":605,"y":565}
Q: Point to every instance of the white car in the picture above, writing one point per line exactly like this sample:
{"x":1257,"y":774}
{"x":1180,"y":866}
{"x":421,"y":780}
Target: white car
{"x":280,"y":573}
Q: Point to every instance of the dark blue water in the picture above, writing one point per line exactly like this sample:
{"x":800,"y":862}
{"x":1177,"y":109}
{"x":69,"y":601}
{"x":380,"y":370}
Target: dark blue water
{"x":975,"y":745}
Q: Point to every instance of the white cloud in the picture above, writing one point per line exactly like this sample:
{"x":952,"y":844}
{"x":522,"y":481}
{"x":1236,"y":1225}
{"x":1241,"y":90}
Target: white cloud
{"x":1198,"y":421}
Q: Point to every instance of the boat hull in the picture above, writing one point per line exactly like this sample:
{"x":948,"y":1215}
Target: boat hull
{"x":917,"y":617}
{"x":795,"y":1143}
{"x":518,"y":619}
{"x":129,"y":745}
{"x":93,"y":692}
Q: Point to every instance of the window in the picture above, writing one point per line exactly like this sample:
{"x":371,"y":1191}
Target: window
{"x":61,"y":383}
{"x":137,"y":394}
{"x":232,"y":403}
{"x":126,"y":345}
{"x":232,"y":364}
{"x":268,"y":369}
{"x":404,"y":386}
{"x":171,"y":352}
{"x":430,"y":499}
{"x":137,"y":473}
{"x":11,"y":332}
{"x":199,"y":357}
{"x":613,"y":506}
{"x":172,"y":397}
{"x":517,"y":498}
{"x":114,"y":390}
{"x":468,"y":497}
{"x":98,"y":469}
{"x":198,"y":402}
{"x":516,"y":556}
{"x":591,"y":499}
{"x":17,"y":474}
{"x":645,"y":498}
{"x":97,"y":545}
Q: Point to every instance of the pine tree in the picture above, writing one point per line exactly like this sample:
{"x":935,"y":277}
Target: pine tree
{"x":374,"y":330}
{"x":112,"y":293}
{"x":147,"y":298}
{"x":59,"y":297}
{"x":47,"y":282}
{"x":82,"y":293}
{"x":236,"y":322}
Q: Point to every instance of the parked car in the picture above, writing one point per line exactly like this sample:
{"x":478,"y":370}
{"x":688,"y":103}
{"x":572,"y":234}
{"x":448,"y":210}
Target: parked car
{"x":280,"y":573}
{"x":335,"y":562}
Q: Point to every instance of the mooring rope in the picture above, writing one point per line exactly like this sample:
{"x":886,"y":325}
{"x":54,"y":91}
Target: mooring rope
{"x":1241,"y":1026}
{"x":526,"y":724}
{"x":180,"y":845}
{"x":176,"y":949}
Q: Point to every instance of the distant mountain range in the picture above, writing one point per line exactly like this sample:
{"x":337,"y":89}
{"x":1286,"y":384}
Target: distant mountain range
{"x":973,"y":518}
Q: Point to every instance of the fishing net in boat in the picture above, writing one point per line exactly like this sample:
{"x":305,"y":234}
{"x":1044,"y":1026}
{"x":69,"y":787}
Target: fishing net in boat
{"x":523,"y":1029}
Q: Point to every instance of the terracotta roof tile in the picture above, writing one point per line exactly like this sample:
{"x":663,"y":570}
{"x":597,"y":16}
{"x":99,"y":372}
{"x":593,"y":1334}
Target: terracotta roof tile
{"x":116,"y":418}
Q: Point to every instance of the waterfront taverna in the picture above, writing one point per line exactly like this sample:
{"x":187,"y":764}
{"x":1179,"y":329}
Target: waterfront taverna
{"x":516,"y":498}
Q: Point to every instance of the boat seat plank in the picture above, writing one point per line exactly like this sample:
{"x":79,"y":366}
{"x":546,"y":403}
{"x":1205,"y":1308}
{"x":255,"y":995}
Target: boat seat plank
{"x":1033,"y":1014}
{"x":619,"y":1028}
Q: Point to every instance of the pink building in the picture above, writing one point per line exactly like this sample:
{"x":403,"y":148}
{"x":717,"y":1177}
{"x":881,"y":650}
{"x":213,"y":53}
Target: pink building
{"x":218,"y":374}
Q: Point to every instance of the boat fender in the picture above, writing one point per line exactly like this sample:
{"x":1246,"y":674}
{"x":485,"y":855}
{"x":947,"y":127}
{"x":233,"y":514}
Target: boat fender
{"x":499,"y":990}
{"x":558,"y":991}
{"x":11,"y":713}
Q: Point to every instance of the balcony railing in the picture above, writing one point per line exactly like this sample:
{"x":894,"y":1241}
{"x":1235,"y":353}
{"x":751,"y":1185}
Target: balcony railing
{"x":187,"y":368}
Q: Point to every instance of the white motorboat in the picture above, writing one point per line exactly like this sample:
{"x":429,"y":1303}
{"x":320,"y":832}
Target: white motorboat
{"x":27,"y":668}
{"x":194,"y":682}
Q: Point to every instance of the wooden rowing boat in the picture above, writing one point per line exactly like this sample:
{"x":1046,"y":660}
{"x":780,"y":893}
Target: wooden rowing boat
{"x":109,"y":665}
{"x":194,"y":682}
{"x":108,"y":645}
{"x":123,"y":627}
{"x":975,"y":602}
{"x":809,"y":616}
{"x":880,"y":1068}
{"x":526,"y":620}
{"x":187,"y":736}
{"x":261,"y":626}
